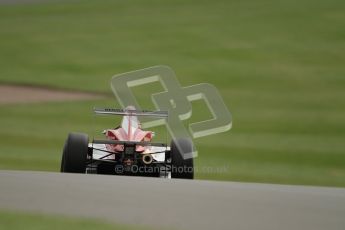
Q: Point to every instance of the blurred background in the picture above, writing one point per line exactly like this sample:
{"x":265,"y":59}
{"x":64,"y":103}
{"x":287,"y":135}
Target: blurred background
{"x":279,"y":66}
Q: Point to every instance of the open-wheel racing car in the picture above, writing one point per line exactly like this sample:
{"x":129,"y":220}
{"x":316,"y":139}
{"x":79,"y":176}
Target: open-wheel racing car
{"x":128,"y":150}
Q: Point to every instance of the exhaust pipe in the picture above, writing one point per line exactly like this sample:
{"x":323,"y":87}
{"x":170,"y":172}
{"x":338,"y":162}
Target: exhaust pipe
{"x":147,"y":159}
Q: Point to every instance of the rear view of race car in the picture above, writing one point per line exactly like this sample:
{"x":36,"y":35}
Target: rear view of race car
{"x":127,"y":150}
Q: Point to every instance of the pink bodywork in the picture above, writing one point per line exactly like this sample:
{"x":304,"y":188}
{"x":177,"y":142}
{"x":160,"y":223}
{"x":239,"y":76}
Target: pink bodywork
{"x":129,"y":130}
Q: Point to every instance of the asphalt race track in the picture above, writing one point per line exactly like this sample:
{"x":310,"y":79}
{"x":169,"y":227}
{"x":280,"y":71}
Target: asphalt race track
{"x":174,"y":204}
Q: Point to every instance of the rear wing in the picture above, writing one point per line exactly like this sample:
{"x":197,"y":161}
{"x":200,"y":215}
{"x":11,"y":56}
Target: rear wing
{"x":125,"y":112}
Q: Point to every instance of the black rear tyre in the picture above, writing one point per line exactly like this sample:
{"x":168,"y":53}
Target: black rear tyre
{"x":75,"y":153}
{"x":181,"y":168}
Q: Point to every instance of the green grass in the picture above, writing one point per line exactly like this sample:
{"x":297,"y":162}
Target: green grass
{"x":29,"y":221}
{"x":279,"y":66}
